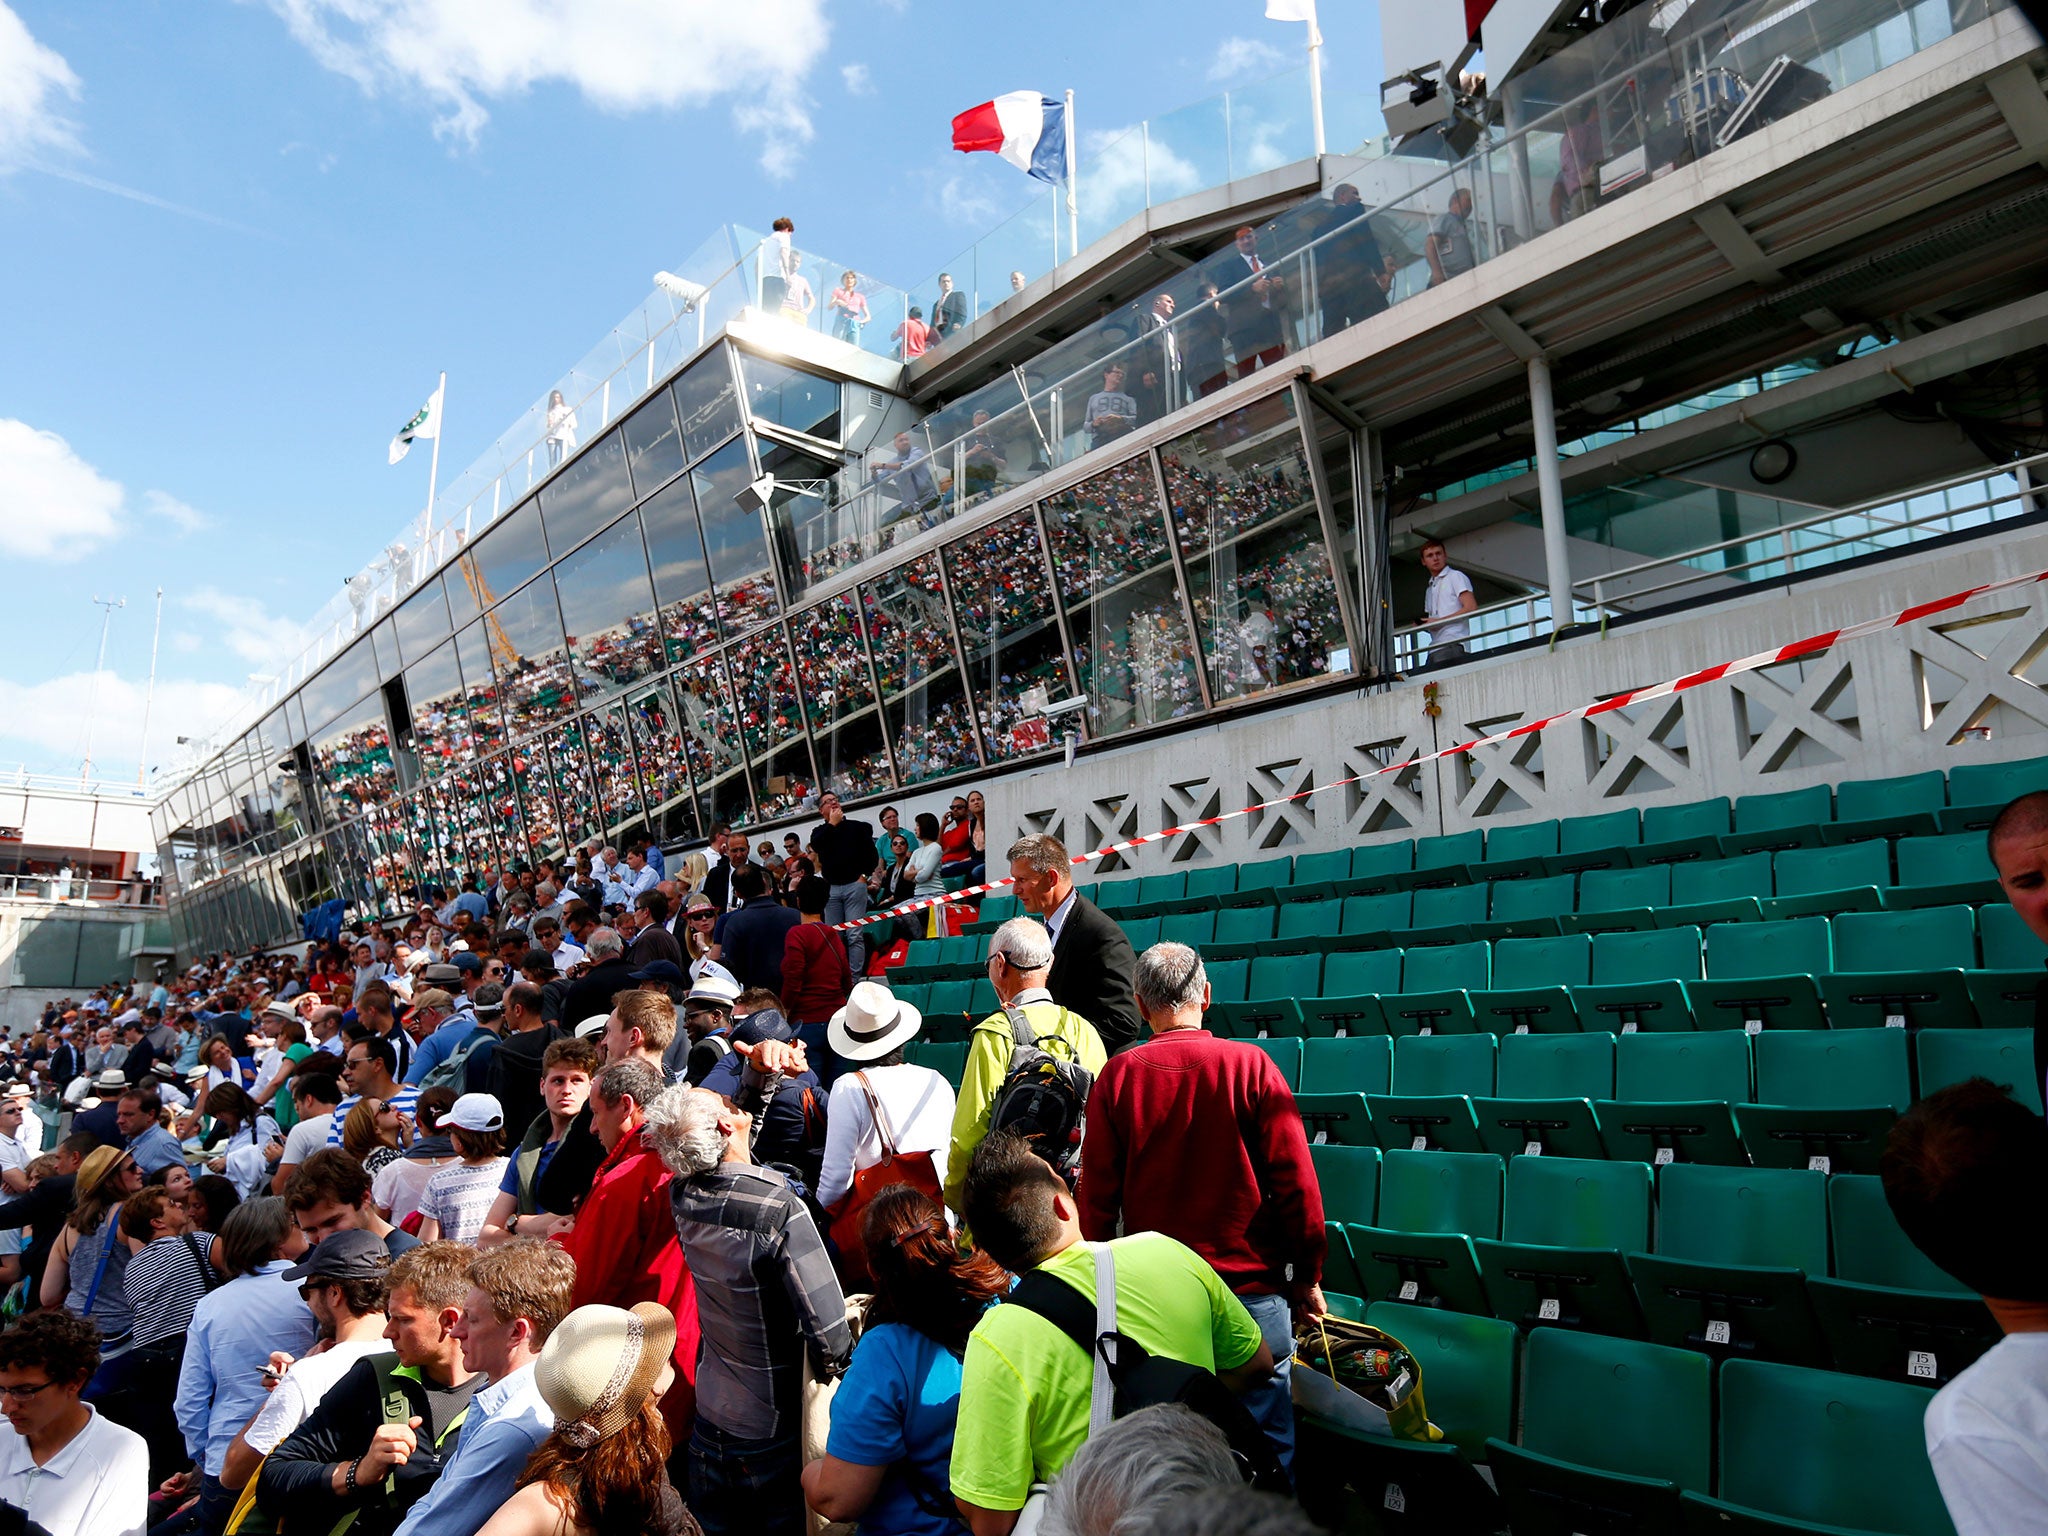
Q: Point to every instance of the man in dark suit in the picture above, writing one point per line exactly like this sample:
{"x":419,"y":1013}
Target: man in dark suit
{"x":1092,"y":963}
{"x":949,"y":313}
{"x":1255,"y":307}
{"x":610,"y":973}
{"x":718,"y":882}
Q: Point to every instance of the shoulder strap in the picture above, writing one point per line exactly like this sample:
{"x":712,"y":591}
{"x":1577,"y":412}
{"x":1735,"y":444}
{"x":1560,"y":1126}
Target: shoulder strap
{"x":881,"y":1120}
{"x":1067,"y":1309}
{"x":1021,"y":1032}
{"x":208,"y":1276}
{"x":108,"y":1237}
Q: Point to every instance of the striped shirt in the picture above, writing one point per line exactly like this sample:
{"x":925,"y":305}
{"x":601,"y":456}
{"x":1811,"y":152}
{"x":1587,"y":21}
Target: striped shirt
{"x":402,"y":1101}
{"x":165,"y":1282}
{"x":459,"y":1197}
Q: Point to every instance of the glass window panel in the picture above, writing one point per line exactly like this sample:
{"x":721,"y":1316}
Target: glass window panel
{"x":734,"y":540}
{"x":1016,"y":662}
{"x":532,"y":662}
{"x":504,"y":830}
{"x":295,"y":713}
{"x":658,"y":744}
{"x":790,"y":397}
{"x":783,"y":781}
{"x":613,"y":773}
{"x":353,"y":758}
{"x":1266,"y":608}
{"x":908,"y":630}
{"x":440,"y":709}
{"x":771,"y":721}
{"x":852,"y":759}
{"x":654,"y":444}
{"x":803,"y":516}
{"x":591,"y":490}
{"x":1233,"y":475}
{"x":682,"y":581}
{"x":483,"y":710}
{"x":385,"y":647}
{"x":933,"y":730}
{"x":570,"y":751}
{"x":535,"y":784}
{"x":341,"y":682}
{"x":711,"y":737}
{"x":465,"y":818}
{"x":831,"y":661}
{"x":504,"y":557}
{"x":1136,"y":659}
{"x":608,"y":610}
{"x":706,"y":404}
{"x":1105,"y":531}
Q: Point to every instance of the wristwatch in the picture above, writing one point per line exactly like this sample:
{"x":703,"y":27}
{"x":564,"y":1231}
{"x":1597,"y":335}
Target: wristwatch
{"x":512,"y":1226}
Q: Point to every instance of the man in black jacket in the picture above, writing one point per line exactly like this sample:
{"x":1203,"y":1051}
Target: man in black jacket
{"x":345,"y":1456}
{"x":751,"y":938}
{"x":610,"y":973}
{"x":1092,"y":963}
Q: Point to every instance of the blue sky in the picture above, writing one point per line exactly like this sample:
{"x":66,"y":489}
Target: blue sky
{"x":239,"y":238}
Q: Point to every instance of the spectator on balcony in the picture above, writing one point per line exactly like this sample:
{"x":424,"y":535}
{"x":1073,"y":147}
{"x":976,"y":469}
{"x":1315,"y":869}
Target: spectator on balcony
{"x":798,"y":300}
{"x":1445,"y":602}
{"x":1201,"y":343}
{"x":906,"y":480}
{"x":1255,"y":313}
{"x":949,"y":310}
{"x":913,"y":337}
{"x":1352,"y":276}
{"x":845,"y":851}
{"x":982,"y":458}
{"x":1016,"y":282}
{"x":848,"y":307}
{"x":1449,"y":247}
{"x":1111,"y":413}
{"x":779,"y":263}
{"x":561,"y":428}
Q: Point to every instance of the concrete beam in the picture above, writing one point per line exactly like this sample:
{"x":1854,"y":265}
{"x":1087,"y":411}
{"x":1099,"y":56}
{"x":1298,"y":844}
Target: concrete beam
{"x":2017,"y":95}
{"x":1510,"y":335}
{"x":1744,"y":256}
{"x":1512,"y":554}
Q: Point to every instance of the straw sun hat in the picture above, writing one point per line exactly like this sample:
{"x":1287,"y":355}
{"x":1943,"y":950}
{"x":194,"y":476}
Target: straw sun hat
{"x":599,"y":1367}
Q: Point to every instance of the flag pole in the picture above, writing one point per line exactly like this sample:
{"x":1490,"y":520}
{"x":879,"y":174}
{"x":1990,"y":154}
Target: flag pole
{"x":434,"y":464}
{"x":1073,"y":213}
{"x":1315,"y":81}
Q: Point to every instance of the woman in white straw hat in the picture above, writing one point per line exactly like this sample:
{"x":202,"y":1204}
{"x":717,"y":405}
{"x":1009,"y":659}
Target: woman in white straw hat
{"x":915,"y":1104}
{"x":603,"y":1469}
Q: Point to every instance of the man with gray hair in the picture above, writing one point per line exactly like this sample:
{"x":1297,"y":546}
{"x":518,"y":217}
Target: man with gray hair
{"x":1137,"y":1468}
{"x":1091,"y":964}
{"x":1019,"y":957}
{"x":609,"y":974}
{"x":1188,"y":1112}
{"x":765,"y":1293}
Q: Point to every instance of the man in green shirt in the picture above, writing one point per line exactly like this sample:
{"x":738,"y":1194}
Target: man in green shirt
{"x":1019,"y":959}
{"x":1026,"y":1387}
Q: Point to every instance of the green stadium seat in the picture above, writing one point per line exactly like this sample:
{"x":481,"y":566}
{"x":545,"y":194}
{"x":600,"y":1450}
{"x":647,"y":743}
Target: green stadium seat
{"x":1273,"y":992}
{"x":1350,"y":1181}
{"x":1172,"y":886}
{"x":1543,"y":1102}
{"x":1432,"y":1204}
{"x":994,"y":912}
{"x":1143,"y":932}
{"x":915,"y":993}
{"x":1335,"y":1117}
{"x":1468,"y":1369}
{"x":1939,"y":871}
{"x":1410,"y":1486}
{"x":1360,"y":1064}
{"x":1624,"y":888}
{"x":1558,"y":1261}
{"x":1531,"y":908}
{"x":1979,"y":791}
{"x":1905,"y":806}
{"x":1791,"y":818}
{"x":947,"y":1058}
{"x":1382,"y":914}
{"x":1350,"y":1308}
{"x":1373,"y":863}
{"x":1718,"y":891}
{"x":2003,"y":992}
{"x":1802,"y":1450}
{"x":1286,"y":1055}
{"x":1318,"y":868}
{"x":1447,"y":914}
{"x":1211,"y":880}
{"x":1888,"y":1311}
{"x":1672,"y":1097}
{"x":1902,"y":969}
{"x":1116,"y":895}
{"x":1638,"y":981}
{"x":1193,"y":928}
{"x":1676,"y":833}
{"x":1311,"y":921}
{"x":1532,"y":979}
{"x":1515,"y":852}
{"x":1242,"y":932}
{"x":2005,"y":1056}
{"x":1266,"y":895}
{"x":1825,"y":1098}
{"x":981,"y":998}
{"x":1824,"y":881}
{"x":1614,"y":1431}
{"x":1733,"y":1249}
{"x":1266,"y":874}
{"x":2008,"y":943}
{"x":948,"y":998}
{"x":1451,"y":852}
{"x":1596,"y":842}
{"x":1227,"y":979}
{"x":922,"y":961}
{"x":1436,"y":985}
{"x":1435,"y":1078}
{"x":964,"y":952}
{"x":1349,"y":1003}
{"x":1762,"y":975}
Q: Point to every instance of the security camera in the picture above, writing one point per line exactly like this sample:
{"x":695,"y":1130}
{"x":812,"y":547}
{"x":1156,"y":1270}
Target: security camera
{"x":1059,"y":707}
{"x":681,"y":288}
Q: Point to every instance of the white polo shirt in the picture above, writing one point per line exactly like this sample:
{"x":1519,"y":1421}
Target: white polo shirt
{"x":1440,"y":601}
{"x":98,"y":1485}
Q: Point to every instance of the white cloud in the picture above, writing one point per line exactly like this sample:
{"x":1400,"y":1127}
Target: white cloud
{"x":34,"y":81}
{"x":53,"y":505}
{"x":622,"y":55}
{"x":1237,"y":56}
{"x":162,"y":507}
{"x":1118,"y":167}
{"x":246,"y":629}
{"x":47,"y":719}
{"x":858,"y":81}
{"x":962,"y":201}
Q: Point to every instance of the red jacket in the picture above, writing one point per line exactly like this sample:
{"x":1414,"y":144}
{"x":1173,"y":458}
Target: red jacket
{"x":626,"y":1250}
{"x":815,"y":976}
{"x":1199,"y":1138}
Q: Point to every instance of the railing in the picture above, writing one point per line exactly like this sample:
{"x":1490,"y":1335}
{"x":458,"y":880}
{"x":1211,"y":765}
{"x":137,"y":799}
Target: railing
{"x":76,"y":891}
{"x":19,"y":777}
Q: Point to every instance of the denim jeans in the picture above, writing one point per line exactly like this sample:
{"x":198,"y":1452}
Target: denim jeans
{"x":843,"y":904}
{"x":745,"y":1487}
{"x":1271,"y":1402}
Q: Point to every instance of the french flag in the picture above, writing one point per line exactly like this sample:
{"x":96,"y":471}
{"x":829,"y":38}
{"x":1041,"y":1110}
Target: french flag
{"x":1025,"y":128}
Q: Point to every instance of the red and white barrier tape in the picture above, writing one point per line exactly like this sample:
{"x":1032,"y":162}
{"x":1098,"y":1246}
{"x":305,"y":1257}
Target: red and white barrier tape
{"x":1812,"y":645}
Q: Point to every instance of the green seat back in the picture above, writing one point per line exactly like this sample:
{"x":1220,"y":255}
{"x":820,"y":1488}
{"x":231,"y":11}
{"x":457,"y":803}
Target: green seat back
{"x":1266,"y":874}
{"x":1315,"y":868}
{"x":981,"y":998}
{"x":1196,"y":928}
{"x":1685,"y":1065}
{"x":1757,"y":1216}
{"x":1564,"y":961}
{"x":1833,"y":1068}
{"x":1609,"y":890}
{"x":1385,"y":913}
{"x":949,"y":998}
{"x":1677,"y":823}
{"x":1362,"y":973}
{"x":1659,"y":954}
{"x":1556,"y":1067}
{"x":2005,"y":1056}
{"x":1446,"y":968}
{"x":1350,"y":1179}
{"x":1643,"y":1410}
{"x":1110,"y":895}
{"x":1245,"y":925}
{"x":1949,"y":860}
{"x":1167,"y":887}
{"x":1514,"y":900}
{"x":947,"y":1058}
{"x":1468,"y":1364}
{"x":1870,"y":1246}
{"x":1577,"y":1202}
{"x":1926,"y":939}
{"x":1372,"y":859}
{"x":1227,"y":979}
{"x":1286,"y":1055}
{"x":1996,"y":783}
{"x":1335,"y":1117}
{"x":1747,"y":874}
{"x":1441,"y":1192}
{"x":2009,"y":945}
{"x":1452,"y":848}
{"x":1211,"y":880}
{"x":1531,"y":840}
{"x":1595,"y":834}
{"x":1448,"y":904}
{"x":1311,"y":919}
{"x":925,"y":952}
{"x":1879,"y":799}
{"x":1811,"y":807}
{"x":1827,"y":1447}
{"x":1796,"y":946}
{"x":1354,"y":1064}
{"x":1438,"y":1064}
{"x":1143,"y":932}
{"x":1803,"y":871}
{"x":1297,"y":976}
{"x":998,"y":909}
{"x":966,"y":949}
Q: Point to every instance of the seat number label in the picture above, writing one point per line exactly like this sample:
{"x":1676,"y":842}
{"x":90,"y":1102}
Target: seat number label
{"x":1629,"y":1028}
{"x":1752,"y":1026}
{"x":1895,"y":1021}
{"x":1820,"y":1165}
{"x":1549,"y":1309}
{"x":1521,"y":1029}
{"x":1410,"y":1289}
{"x":1532,"y":1149}
{"x":1418,"y":1144}
{"x":1718,"y":1332}
{"x":1920,"y":1365}
{"x":1396,"y":1500}
{"x":1666,"y":1155}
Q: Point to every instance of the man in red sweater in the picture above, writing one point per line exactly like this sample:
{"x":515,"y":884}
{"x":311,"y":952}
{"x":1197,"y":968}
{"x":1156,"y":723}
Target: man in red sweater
{"x":1199,"y":1138}
{"x":816,"y":977}
{"x":624,"y":1238}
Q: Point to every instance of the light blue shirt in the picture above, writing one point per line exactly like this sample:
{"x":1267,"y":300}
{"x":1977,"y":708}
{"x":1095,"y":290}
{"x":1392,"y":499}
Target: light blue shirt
{"x":439,"y":1046}
{"x":628,"y":885}
{"x":657,"y":861}
{"x":507,"y":1421}
{"x":233,"y":1331}
{"x":155,"y":1148}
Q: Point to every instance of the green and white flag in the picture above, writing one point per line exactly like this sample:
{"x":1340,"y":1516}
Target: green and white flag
{"x":426,"y":422}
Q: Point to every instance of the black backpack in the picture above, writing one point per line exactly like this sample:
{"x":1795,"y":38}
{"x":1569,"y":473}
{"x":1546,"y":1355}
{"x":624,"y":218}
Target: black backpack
{"x":1043,"y":1097}
{"x":1141,"y":1379}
